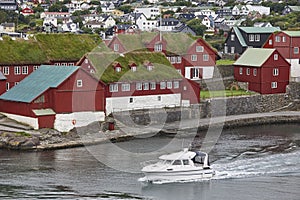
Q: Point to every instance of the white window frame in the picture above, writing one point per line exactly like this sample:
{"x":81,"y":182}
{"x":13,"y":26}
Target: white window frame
{"x":205,"y":57}
{"x":17,"y":70}
{"x":169,"y":85}
{"x":138,"y":86}
{"x":125,"y":87}
{"x":146,"y":86}
{"x":7,"y":86}
{"x":152,"y":86}
{"x":257,"y":37}
{"x":270,"y":42}
{"x":248,"y":71}
{"x":283,"y":39}
{"x":173,"y":59}
{"x":276,"y":56}
{"x":178,"y":59}
{"x":116,"y":47}
{"x":251,"y":38}
{"x":232,"y":49}
{"x":24,"y":69}
{"x":232,"y":37}
{"x":240,"y":70}
{"x":193,"y":57}
{"x":79,"y":83}
{"x":199,"y":48}
{"x":35,"y":67}
{"x":277,"y":38}
{"x":158,"y":47}
{"x":275,"y":72}
{"x":296,"y":50}
{"x":274,"y":85}
{"x":162,"y":85}
{"x":254,"y":72}
{"x":118,"y":69}
{"x":176,"y":84}
{"x":114,"y":87}
{"x":6,"y":70}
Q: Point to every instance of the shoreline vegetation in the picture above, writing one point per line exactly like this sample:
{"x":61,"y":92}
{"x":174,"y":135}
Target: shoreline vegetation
{"x":49,"y":139}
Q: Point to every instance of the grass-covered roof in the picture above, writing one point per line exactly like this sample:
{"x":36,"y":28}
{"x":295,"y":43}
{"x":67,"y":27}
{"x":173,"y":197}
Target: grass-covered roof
{"x":43,"y":48}
{"x":103,"y":62}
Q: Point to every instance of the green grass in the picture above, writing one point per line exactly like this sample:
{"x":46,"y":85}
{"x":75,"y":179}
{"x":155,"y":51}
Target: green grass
{"x":223,"y":93}
{"x":225,"y":62}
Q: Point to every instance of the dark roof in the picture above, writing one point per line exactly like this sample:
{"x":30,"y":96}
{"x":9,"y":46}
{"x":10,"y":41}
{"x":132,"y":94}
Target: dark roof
{"x":45,"y":77}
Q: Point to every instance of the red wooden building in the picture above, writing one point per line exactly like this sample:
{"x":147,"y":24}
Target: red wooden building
{"x":287,"y":43}
{"x":55,"y":97}
{"x":265,"y":70}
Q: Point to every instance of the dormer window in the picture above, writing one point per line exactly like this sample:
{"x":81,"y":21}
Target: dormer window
{"x":117,"y":67}
{"x":149,"y":66}
{"x":133,"y":67}
{"x":158,"y":47}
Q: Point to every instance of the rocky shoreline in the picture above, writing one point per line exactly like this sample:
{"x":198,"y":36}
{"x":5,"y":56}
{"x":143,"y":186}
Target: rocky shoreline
{"x":49,"y":139}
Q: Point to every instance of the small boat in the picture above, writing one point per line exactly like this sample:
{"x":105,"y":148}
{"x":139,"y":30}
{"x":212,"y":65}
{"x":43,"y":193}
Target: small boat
{"x":185,"y":165}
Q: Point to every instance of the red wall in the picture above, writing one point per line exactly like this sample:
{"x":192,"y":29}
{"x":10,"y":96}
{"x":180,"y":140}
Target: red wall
{"x":116,"y":40}
{"x":46,"y":121}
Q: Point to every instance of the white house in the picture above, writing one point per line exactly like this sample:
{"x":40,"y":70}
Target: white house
{"x":149,"y":12}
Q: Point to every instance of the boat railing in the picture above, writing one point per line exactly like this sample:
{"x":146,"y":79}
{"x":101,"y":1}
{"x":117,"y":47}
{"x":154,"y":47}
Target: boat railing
{"x":148,"y":162}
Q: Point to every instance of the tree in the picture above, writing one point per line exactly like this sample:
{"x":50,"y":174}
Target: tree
{"x":126,"y":8}
{"x":197,"y":26}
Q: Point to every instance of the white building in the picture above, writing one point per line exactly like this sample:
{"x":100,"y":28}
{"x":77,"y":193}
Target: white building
{"x":149,"y":12}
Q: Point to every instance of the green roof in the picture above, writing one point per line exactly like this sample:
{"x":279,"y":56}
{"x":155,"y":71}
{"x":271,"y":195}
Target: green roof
{"x":254,"y":57}
{"x":136,"y":41}
{"x":239,"y":36}
{"x":45,"y":77}
{"x":43,"y":112}
{"x":292,"y":33}
{"x":259,"y":29}
{"x":43,"y":48}
{"x":163,"y":70}
{"x":295,"y":8}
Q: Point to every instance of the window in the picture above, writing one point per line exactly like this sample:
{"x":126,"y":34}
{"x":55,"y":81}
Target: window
{"x":158,"y":47}
{"x":7,"y":86}
{"x":79,"y":83}
{"x":125,"y":87}
{"x":257,"y":37}
{"x":116,"y":47}
{"x":25,"y":70}
{"x":296,"y":50}
{"x":277,"y":39}
{"x":274,"y":85}
{"x":133,"y":68}
{"x":275,"y":72}
{"x":199,"y":49}
{"x":270,"y":42}
{"x":194,"y":57}
{"x":173,"y":59}
{"x":283,"y":39}
{"x":159,"y":98}
{"x":205,"y":57}
{"x":248,"y":71}
{"x":251,"y":37}
{"x":275,"y":56}
{"x":232,"y":50}
{"x":152,"y":85}
{"x":195,"y":73}
{"x":118,"y":69}
{"x":241,"y":71}
{"x":176,"y":84}
{"x":130,"y":100}
{"x":113,"y":87}
{"x":40,"y":99}
{"x":178,"y":59}
{"x":138,"y":86}
{"x":146,"y":86}
{"x":169,"y":85}
{"x":35,"y":67}
{"x":17,"y":70}
{"x":226,"y":49}
{"x":5,"y":70}
{"x":232,"y":37}
{"x":177,"y":162}
{"x":86,"y":61}
{"x":162,"y":85}
{"x":254,"y":72}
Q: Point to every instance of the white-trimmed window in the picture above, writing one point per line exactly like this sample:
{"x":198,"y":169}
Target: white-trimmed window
{"x":35,"y":67}
{"x":173,"y":59}
{"x":277,"y":38}
{"x":86,"y":61}
{"x":138,"y":86}
{"x":251,"y":37}
{"x":254,"y":72}
{"x":118,"y":69}
{"x":248,"y":71}
{"x":225,"y":49}
{"x":7,"y":86}
{"x":79,"y":83}
{"x":71,"y":64}
{"x":283,"y":39}
{"x":125,"y":87}
{"x":146,"y":86}
{"x":241,"y":70}
{"x":232,"y":37}
{"x":232,"y":49}
{"x":162,"y":85}
{"x":296,"y":50}
{"x":176,"y":84}
{"x":17,"y":70}
{"x":270,"y":42}
{"x":205,"y":57}
{"x":24,"y":69}
{"x":5,"y":70}
{"x":152,"y":85}
{"x":169,"y":85}
{"x":199,"y":48}
{"x":275,"y":56}
{"x":116,"y":47}
{"x":178,"y":59}
{"x":158,"y":47}
{"x":257,"y":37}
{"x":274,"y":85}
{"x":113,"y":87}
{"x":194,"y":57}
{"x":275,"y":72}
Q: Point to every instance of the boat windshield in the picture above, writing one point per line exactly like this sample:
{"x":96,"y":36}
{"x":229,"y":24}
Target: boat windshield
{"x":168,"y":162}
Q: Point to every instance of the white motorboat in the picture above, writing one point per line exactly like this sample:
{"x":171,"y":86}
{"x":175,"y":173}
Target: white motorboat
{"x":180,"y":166}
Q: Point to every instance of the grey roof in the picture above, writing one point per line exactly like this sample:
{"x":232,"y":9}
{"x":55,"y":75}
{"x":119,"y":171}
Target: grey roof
{"x":45,"y":77}
{"x":254,"y":57}
{"x":2,"y":77}
{"x":239,"y":36}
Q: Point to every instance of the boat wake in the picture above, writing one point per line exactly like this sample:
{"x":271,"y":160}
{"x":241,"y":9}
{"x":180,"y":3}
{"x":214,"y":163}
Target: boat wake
{"x":272,"y":164}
